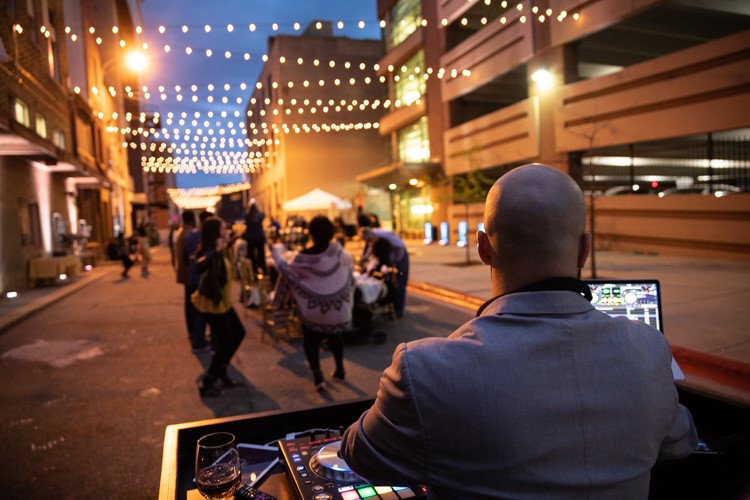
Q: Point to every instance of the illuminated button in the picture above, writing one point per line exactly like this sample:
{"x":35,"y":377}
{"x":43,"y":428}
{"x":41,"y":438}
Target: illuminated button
{"x":323,"y":496}
{"x":367,"y":492}
{"x":404,"y":492}
{"x":386,"y":493}
{"x":389,"y":496}
{"x":349,"y":495}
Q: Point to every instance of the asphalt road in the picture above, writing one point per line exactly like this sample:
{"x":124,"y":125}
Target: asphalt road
{"x":91,"y":382}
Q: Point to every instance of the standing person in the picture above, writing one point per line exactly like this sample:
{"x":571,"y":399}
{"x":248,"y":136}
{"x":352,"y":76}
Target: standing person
{"x":255,"y":237}
{"x":322,"y":283}
{"x":142,"y":247}
{"x":196,"y":324}
{"x":539,"y":396}
{"x":191,"y":246}
{"x":399,"y":258}
{"x":123,"y":254}
{"x":213,"y":300}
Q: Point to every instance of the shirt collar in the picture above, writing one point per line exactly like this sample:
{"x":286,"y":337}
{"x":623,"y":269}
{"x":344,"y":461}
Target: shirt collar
{"x":547,"y":285}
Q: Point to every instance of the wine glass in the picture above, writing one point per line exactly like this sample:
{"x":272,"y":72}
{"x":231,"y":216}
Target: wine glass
{"x":217,"y":465}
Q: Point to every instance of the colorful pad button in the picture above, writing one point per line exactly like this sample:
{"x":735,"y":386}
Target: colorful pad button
{"x":366,"y":492}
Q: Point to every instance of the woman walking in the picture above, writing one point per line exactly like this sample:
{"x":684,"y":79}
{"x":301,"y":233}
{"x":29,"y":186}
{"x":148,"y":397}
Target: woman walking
{"x":322,"y":284}
{"x":213,"y":300}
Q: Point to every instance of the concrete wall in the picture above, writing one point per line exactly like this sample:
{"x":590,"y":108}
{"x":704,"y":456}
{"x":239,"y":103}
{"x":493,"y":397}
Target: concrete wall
{"x":21,"y":184}
{"x":686,"y":225}
{"x":690,"y":225}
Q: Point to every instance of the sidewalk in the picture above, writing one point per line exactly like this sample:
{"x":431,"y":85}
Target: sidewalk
{"x":705,"y":302}
{"x":15,"y":310}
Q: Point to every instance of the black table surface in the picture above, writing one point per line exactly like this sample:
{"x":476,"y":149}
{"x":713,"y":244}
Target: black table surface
{"x":723,"y":424}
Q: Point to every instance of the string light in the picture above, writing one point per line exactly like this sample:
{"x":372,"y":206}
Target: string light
{"x":201,"y":143}
{"x":295,"y":26}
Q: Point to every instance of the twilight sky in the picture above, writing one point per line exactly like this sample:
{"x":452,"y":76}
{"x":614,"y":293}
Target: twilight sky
{"x":178,"y":68}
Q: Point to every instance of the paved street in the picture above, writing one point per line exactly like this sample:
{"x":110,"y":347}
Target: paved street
{"x":92,"y":379}
{"x":91,"y":382}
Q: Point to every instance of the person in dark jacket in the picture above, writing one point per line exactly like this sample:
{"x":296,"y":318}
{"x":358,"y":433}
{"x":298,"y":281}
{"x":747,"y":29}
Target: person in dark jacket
{"x":255,"y":237}
{"x":213,"y":300}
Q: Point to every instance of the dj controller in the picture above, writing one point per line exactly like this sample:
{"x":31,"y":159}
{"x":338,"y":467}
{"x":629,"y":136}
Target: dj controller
{"x":318,"y":473}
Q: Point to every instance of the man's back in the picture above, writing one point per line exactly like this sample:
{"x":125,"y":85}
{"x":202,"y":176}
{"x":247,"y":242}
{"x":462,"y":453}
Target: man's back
{"x":541,"y":396}
{"x":547,"y":398}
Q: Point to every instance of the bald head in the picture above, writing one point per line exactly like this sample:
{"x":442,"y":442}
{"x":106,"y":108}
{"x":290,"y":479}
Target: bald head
{"x":535,"y":218}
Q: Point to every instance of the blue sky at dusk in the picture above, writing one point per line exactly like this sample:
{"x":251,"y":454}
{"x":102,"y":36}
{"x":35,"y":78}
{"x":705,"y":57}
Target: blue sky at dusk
{"x":178,"y":68}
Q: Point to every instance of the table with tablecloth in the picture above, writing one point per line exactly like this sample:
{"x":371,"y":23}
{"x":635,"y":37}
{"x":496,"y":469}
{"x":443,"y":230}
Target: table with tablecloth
{"x":52,"y":267}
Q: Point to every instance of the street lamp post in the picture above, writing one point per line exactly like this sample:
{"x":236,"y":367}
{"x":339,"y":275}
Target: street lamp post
{"x":131,"y":62}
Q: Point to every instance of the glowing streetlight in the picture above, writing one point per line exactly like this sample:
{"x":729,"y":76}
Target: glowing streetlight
{"x":136,"y":60}
{"x":543,"y":79}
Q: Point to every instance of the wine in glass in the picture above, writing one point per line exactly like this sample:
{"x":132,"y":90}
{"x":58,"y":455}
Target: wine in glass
{"x":217,"y":465}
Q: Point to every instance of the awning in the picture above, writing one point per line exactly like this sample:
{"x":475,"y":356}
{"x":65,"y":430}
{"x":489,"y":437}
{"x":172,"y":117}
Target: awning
{"x":399,"y":173}
{"x":317,"y":199}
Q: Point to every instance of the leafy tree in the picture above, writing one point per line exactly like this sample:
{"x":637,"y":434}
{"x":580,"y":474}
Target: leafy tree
{"x":468,"y":188}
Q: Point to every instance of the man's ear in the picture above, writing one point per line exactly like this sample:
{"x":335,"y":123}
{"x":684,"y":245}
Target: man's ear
{"x":484,"y":249}
{"x":584,"y":249}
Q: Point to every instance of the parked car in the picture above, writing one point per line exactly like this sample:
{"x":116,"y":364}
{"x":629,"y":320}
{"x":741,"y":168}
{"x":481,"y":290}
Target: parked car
{"x":717,"y":190}
{"x":645,"y":188}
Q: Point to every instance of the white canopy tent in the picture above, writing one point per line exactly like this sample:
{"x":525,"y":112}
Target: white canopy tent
{"x":317,"y":199}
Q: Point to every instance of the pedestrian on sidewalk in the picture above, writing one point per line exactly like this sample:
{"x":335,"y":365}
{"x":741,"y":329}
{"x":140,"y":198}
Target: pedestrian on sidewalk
{"x":213,"y":300}
{"x":322,"y":282}
{"x":551,"y":397}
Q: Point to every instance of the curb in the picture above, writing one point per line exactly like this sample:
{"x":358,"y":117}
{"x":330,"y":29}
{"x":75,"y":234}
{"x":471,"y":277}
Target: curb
{"x":22,"y":312}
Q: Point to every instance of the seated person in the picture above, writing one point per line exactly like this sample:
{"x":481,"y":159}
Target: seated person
{"x":398,"y":258}
{"x":539,"y":396}
{"x":380,"y":259}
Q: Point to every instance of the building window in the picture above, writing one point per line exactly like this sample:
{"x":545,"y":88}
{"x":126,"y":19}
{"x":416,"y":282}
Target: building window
{"x":53,"y":52}
{"x":406,"y":16}
{"x":410,"y":85}
{"x":58,"y":138}
{"x":41,"y":126}
{"x":32,"y":20}
{"x":21,"y":113}
{"x":414,"y":142}
{"x":31,"y":231}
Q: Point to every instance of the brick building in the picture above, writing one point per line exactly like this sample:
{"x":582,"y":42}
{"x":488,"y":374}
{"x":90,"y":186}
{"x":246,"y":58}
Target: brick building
{"x":65,"y":184}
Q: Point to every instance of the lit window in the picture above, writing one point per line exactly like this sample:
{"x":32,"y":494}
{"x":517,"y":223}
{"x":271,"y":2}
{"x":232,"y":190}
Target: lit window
{"x":41,"y":126}
{"x":411,"y":86}
{"x":58,"y":138}
{"x":414,"y":142}
{"x":21,"y":113}
{"x":406,"y":16}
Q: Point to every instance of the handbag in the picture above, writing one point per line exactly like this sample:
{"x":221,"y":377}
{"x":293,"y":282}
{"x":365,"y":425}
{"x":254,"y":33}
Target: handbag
{"x":209,"y":285}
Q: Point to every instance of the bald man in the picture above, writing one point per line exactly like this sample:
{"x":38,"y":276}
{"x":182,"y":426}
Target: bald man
{"x":540,"y":395}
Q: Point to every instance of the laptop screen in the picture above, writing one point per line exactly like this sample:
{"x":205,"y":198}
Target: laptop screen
{"x":635,"y":299}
